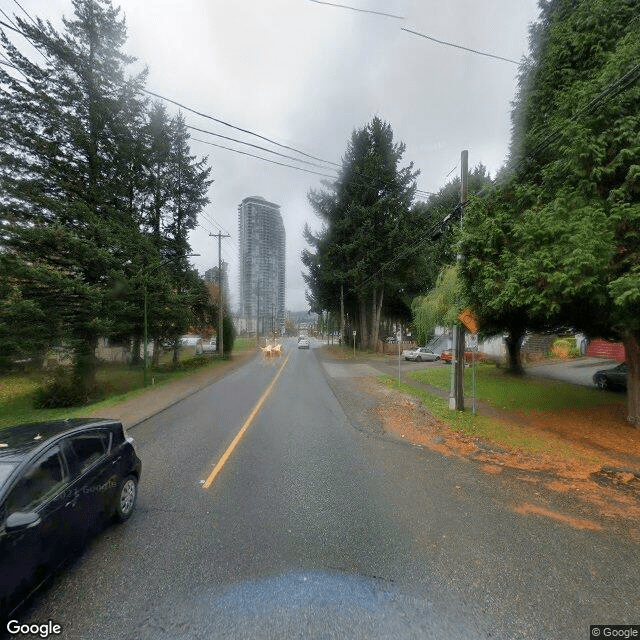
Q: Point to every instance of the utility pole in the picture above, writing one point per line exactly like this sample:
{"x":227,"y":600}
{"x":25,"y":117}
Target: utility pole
{"x":459,"y":330}
{"x":220,"y":339}
{"x":342,"y":329}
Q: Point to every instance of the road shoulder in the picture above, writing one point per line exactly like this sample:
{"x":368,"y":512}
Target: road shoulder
{"x":578,"y":483}
{"x":136,"y":410}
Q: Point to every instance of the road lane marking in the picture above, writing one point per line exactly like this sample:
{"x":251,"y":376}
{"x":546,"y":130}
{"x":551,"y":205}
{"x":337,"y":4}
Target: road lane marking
{"x":247,"y":423}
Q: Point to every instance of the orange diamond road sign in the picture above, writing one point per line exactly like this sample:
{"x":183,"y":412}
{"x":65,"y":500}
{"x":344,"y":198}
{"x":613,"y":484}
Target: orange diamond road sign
{"x":469,"y":320}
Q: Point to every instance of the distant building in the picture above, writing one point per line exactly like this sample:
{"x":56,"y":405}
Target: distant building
{"x":262,"y":265}
{"x":211,"y":276}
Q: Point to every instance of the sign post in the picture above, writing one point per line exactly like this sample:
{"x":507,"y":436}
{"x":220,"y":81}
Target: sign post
{"x":469,"y":320}
{"x":354,"y":344}
{"x":399,"y":339}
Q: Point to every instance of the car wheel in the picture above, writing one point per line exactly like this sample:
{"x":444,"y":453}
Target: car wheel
{"x":126,"y":498}
{"x":601,"y":383}
{"x":418,"y":359}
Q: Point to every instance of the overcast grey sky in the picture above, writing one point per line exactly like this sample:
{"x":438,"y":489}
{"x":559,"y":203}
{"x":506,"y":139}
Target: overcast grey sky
{"x":306,"y":74}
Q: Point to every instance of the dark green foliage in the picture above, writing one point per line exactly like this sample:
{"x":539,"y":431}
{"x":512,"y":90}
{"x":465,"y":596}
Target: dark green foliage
{"x":64,"y":212}
{"x":558,"y":244}
{"x":365,"y":216}
{"x":98,"y":196}
{"x":229,"y":334}
{"x":65,"y":389}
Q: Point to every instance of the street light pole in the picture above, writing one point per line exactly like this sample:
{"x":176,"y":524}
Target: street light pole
{"x":146,"y":354}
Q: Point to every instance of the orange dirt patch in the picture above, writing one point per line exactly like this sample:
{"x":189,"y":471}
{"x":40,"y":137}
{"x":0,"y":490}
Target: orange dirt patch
{"x":492,"y":468}
{"x":600,"y":478}
{"x":577,"y":523}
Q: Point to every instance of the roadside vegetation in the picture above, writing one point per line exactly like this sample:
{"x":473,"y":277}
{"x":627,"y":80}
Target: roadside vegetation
{"x":529,"y":394}
{"x":100,"y":191}
{"x":549,"y":243}
{"x":117,"y":383}
{"x":487,"y":427}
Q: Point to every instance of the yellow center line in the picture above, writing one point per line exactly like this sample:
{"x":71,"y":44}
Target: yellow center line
{"x":247,"y":423}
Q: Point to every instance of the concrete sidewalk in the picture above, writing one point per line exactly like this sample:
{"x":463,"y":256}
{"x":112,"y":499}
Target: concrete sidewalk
{"x":157,"y":399}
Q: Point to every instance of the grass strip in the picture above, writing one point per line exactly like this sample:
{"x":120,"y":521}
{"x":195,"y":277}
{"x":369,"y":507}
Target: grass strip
{"x":488,"y":427}
{"x":520,"y":393}
{"x":119,"y":383}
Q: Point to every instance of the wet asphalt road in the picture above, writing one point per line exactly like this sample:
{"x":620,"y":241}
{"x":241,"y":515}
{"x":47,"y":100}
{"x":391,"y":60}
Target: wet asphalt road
{"x":315,"y":529}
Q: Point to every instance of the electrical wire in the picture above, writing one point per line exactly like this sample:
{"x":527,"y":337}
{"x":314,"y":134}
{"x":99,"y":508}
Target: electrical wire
{"x":14,"y":27}
{"x":256,"y":146}
{"x":458,"y":46}
{"x":344,"y":6}
{"x":227,"y":124}
{"x":26,"y":13}
{"x":414,"y":246}
{"x":251,"y":155}
{"x":608,"y":92}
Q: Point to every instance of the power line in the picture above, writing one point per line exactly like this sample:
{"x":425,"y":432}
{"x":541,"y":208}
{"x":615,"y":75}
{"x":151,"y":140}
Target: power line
{"x":251,"y":155}
{"x":8,"y":26}
{"x":256,"y":146}
{"x":227,"y":124}
{"x":434,"y":231}
{"x":26,"y":13}
{"x":608,"y":92}
{"x":13,"y":27}
{"x":186,"y":108}
{"x":458,"y":46}
{"x":344,"y":6}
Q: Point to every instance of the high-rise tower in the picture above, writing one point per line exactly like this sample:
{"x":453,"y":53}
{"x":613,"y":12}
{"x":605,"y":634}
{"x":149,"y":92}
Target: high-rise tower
{"x":262,"y":265}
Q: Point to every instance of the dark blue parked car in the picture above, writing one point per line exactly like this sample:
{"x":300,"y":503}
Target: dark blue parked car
{"x":58,"y":480}
{"x":614,"y":378}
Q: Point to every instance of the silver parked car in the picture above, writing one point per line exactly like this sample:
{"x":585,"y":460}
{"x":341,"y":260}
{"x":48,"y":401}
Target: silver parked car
{"x":419,"y":354}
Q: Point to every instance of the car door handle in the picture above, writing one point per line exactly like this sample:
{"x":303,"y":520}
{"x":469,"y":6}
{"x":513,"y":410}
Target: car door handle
{"x":73,"y":502}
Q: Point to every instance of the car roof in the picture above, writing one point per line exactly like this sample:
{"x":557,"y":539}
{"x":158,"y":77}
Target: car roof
{"x":20,"y":440}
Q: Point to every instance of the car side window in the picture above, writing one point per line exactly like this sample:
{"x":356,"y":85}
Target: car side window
{"x":89,"y":448}
{"x":38,"y":483}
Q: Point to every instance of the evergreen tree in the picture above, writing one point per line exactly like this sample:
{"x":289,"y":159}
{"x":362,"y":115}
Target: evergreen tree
{"x":566,"y":245}
{"x":66,"y":128}
{"x":365,"y":216}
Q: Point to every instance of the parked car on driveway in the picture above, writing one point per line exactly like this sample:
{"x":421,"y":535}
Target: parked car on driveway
{"x":192,"y":342}
{"x":58,"y":481}
{"x":613,"y":378}
{"x":447,"y":356}
{"x":209,"y":346}
{"x":419,"y":354}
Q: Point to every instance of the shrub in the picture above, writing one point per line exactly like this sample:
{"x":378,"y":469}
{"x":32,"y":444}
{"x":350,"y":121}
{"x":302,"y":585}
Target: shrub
{"x":229,"y":335}
{"x":565,"y":348}
{"x":63,"y":389}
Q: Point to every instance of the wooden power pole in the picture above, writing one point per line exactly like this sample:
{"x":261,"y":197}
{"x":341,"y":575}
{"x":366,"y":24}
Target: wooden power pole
{"x":459,"y":329}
